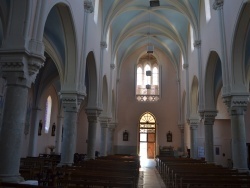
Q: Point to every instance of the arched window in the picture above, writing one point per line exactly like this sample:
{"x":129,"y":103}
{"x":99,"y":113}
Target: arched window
{"x":192,"y":38}
{"x":155,"y":76}
{"x":108,"y":35}
{"x":147,"y":79}
{"x":207,"y":10}
{"x":139,"y":76}
{"x":48,"y":114}
{"x":96,"y":10}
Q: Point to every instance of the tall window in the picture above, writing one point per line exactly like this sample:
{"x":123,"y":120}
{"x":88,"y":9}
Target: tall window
{"x":155,"y":76}
{"x":147,"y":79}
{"x":48,"y":114}
{"x":192,"y":38}
{"x":139,"y":76}
{"x":207,"y":10}
{"x":96,"y":11}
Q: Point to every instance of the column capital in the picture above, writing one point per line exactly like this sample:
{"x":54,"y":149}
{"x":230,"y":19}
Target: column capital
{"x":112,"y":125}
{"x":237,"y":104}
{"x":209,"y":116}
{"x":88,"y":6}
{"x":93,"y":114}
{"x":197,"y":43}
{"x":20,"y":68}
{"x":71,"y":101}
{"x":103,"y":44}
{"x":218,"y":4}
{"x":185,"y":66}
{"x":193,"y":122}
{"x":112,"y":66}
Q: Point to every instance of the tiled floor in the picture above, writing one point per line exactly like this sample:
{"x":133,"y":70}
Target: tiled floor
{"x":151,"y":177}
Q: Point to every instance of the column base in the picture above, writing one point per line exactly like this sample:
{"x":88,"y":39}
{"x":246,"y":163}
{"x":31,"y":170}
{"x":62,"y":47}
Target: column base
{"x":11,"y":178}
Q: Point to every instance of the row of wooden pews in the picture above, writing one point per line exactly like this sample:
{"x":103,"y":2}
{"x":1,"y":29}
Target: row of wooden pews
{"x":111,"y":171}
{"x":193,"y":173}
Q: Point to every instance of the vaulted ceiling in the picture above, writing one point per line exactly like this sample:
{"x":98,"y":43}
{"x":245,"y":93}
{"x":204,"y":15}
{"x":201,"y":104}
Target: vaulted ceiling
{"x":135,"y":24}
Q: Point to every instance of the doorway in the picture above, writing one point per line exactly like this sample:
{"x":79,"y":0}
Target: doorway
{"x":147,"y":136}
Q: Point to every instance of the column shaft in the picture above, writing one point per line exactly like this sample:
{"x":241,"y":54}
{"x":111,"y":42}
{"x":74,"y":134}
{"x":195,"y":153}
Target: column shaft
{"x":32,"y":152}
{"x":194,"y":148}
{"x":209,"y":143}
{"x":12,"y":131}
{"x":69,"y":138}
{"x":104,"y":135}
{"x":91,"y":140}
{"x":59,"y":134}
{"x":239,"y":142}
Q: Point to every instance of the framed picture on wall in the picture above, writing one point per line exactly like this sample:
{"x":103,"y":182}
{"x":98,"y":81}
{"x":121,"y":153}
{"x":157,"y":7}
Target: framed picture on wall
{"x":125,"y":135}
{"x":169,"y":136}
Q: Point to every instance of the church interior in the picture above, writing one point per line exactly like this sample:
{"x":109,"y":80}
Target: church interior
{"x":88,"y":79}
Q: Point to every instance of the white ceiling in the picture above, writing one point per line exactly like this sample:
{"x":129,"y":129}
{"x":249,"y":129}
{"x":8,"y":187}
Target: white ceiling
{"x":134,"y":24}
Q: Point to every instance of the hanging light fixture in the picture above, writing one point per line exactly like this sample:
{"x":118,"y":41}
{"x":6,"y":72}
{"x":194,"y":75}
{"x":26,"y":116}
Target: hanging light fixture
{"x":150,"y":49}
{"x":154,"y":3}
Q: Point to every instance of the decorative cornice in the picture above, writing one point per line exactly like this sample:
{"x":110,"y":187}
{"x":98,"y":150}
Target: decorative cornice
{"x":88,"y":6}
{"x":218,"y":4}
{"x":103,"y":44}
{"x":197,"y":43}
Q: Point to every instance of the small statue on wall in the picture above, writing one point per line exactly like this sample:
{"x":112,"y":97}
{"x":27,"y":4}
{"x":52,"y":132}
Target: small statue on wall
{"x":53,"y":132}
{"x":40,"y":127}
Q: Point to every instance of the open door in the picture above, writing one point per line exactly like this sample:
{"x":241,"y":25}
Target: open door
{"x":147,"y":136}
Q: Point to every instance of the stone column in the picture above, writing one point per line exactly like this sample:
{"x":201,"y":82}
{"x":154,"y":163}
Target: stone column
{"x":20,"y":71}
{"x":70,"y":107}
{"x":93,"y":115}
{"x":59,"y":134}
{"x":238,"y":105}
{"x":181,"y":127}
{"x":104,"y":135}
{"x":110,"y":144}
{"x":193,"y":136}
{"x":32,"y":152}
{"x":209,"y":117}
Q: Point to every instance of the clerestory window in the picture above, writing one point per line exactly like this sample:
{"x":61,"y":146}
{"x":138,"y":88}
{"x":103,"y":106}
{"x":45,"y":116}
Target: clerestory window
{"x":47,"y":114}
{"x":147,"y":79}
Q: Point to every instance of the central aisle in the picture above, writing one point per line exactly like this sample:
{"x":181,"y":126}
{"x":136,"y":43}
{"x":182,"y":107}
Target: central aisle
{"x":151,"y":177}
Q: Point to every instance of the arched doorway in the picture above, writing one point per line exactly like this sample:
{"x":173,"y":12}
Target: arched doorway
{"x":147,"y":135}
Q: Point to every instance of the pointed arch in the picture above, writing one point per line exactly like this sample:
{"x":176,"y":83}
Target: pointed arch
{"x":183,"y":107}
{"x":105,"y":98}
{"x":194,"y":97}
{"x":213,"y":80}
{"x":239,"y":50}
{"x":91,"y":80}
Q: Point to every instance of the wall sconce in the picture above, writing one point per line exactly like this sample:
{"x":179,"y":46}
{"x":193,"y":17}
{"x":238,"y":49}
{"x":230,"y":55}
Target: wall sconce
{"x":125,"y":135}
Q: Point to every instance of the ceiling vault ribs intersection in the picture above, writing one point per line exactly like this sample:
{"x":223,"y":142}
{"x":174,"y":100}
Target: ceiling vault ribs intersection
{"x":130,"y":22}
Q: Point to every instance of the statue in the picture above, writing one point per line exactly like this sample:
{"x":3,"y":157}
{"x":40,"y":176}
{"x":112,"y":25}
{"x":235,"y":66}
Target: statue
{"x":53,"y":129}
{"x":40,"y":128}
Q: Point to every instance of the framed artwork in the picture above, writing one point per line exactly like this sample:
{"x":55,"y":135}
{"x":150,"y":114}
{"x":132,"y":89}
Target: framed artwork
{"x":125,"y":135}
{"x":169,"y":136}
